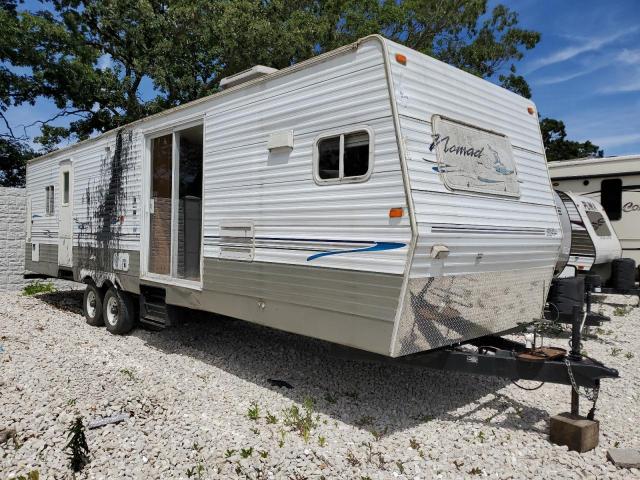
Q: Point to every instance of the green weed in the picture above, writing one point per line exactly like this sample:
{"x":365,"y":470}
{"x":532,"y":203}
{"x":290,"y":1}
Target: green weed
{"x":34,"y":288}
{"x":301,"y":420}
{"x":253,"y":412}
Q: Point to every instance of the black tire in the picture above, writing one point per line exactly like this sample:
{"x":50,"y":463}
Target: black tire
{"x":118,"y":311}
{"x":623,"y":273}
{"x":92,"y":305}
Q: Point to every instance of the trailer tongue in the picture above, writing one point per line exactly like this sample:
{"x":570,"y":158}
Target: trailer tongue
{"x":501,"y":357}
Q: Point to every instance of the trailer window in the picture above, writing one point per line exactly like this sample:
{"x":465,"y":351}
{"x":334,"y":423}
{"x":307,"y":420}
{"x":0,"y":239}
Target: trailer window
{"x":611,"y":198}
{"x":599,"y":224}
{"x":65,"y":193}
{"x":49,"y":200}
{"x":345,"y":157}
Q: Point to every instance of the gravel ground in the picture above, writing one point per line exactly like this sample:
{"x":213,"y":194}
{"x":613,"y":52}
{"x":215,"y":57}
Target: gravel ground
{"x":192,"y":391}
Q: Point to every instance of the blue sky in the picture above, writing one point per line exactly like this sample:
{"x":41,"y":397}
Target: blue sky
{"x":585,"y":70}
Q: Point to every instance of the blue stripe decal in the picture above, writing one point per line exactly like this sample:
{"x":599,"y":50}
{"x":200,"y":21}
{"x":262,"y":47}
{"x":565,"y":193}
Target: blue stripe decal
{"x":379,"y":246}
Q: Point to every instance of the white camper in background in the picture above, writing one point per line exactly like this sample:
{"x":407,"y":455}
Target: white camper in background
{"x":371,"y":196}
{"x":615,"y":183}
{"x":594,"y":244}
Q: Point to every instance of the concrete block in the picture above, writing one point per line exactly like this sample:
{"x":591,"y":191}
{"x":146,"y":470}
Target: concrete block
{"x":574,"y":431}
{"x":624,"y":457}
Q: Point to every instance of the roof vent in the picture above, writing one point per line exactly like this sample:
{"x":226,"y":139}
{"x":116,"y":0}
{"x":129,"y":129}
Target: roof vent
{"x":246,"y":75}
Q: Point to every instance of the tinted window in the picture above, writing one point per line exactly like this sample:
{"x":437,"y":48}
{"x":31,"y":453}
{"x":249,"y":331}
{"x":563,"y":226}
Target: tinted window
{"x":343,"y":156}
{"x":329,"y":158}
{"x":611,"y":198}
{"x":65,"y":196}
{"x":356,"y":154}
{"x":599,"y":224}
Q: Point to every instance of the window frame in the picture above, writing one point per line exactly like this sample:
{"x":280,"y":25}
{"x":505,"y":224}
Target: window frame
{"x":49,"y":201}
{"x":341,"y":133}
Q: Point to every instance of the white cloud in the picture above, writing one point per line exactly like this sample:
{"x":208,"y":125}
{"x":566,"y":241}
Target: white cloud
{"x":631,"y":57}
{"x":566,"y":77}
{"x":567,"y":53}
{"x":624,"y":86}
{"x":617,"y":140}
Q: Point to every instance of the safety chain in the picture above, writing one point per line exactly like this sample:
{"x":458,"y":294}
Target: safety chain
{"x":589,"y":394}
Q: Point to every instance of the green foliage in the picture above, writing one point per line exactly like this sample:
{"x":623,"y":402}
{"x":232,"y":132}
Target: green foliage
{"x":91,"y":57}
{"x":13,"y":162}
{"x":37,"y":287}
{"x":246,"y":452}
{"x":301,"y":420}
{"x":77,"y":447}
{"x":196,"y":471}
{"x":557,"y":147}
{"x":253,"y":412}
{"x":271,"y":419}
{"x":621,"y":311}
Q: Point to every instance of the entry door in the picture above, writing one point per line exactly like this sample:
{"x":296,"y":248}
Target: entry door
{"x":65,"y":216}
{"x":175,"y":204}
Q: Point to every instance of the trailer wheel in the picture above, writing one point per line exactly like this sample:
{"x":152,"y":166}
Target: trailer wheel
{"x":92,"y":305}
{"x":119,"y":311}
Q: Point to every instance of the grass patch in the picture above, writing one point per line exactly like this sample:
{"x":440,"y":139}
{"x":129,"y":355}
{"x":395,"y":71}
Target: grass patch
{"x":34,"y":288}
{"x":621,"y":311}
{"x":301,"y":420}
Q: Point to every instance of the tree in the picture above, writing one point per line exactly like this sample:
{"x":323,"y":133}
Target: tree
{"x":13,"y":162}
{"x":557,"y":147}
{"x":91,"y":57}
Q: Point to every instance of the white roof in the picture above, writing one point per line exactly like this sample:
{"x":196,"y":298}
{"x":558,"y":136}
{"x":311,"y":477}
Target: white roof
{"x":587,"y":167}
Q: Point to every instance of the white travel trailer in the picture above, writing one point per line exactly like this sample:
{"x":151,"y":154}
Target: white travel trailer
{"x":594,"y":244}
{"x":615,"y":183}
{"x":371,"y":196}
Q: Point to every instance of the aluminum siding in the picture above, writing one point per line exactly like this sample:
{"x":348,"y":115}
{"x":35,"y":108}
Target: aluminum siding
{"x":508,"y":233}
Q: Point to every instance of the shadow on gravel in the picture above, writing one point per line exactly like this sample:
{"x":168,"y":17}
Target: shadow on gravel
{"x":381,"y":398}
{"x":376,"y":397}
{"x":66,"y":300}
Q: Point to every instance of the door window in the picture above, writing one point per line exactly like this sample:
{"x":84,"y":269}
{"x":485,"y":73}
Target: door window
{"x":65,"y":190}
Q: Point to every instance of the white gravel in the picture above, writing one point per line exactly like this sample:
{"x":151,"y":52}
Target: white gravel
{"x":189,"y":390}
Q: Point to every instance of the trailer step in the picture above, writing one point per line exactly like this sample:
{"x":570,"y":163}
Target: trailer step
{"x":153,"y":308}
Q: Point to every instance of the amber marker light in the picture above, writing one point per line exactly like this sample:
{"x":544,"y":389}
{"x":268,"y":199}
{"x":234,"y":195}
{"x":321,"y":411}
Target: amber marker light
{"x":531,"y":110}
{"x":396,"y":212}
{"x":401,"y":59}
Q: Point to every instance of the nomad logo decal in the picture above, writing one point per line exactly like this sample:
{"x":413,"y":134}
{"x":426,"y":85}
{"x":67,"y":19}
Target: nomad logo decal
{"x":377,"y":246}
{"x":631,"y":207}
{"x":470,"y":158}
